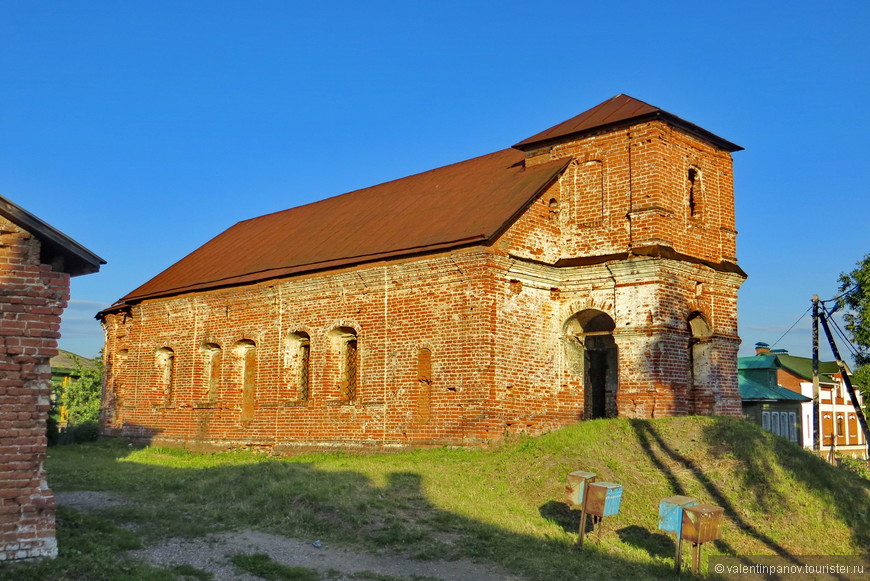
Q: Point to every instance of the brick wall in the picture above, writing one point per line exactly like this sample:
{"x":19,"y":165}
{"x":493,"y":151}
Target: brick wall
{"x":630,"y":188}
{"x":396,"y":310}
{"x":464,"y":346}
{"x":32,"y":298}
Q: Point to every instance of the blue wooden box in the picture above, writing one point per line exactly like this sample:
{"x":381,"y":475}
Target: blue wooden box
{"x":671,"y":513}
{"x":576,"y":489}
{"x":604,"y":498}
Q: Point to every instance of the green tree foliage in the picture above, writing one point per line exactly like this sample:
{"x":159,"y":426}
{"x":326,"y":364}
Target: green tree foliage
{"x":78,"y":405}
{"x":856,"y":301}
{"x":82,"y":397}
{"x":861,"y":380}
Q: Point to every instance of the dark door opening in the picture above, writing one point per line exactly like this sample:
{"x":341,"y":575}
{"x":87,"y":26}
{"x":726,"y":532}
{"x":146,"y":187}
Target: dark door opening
{"x":596,"y":395}
{"x":592,"y":354}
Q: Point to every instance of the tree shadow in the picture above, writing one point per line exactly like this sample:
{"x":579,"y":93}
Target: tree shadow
{"x":755,"y":451}
{"x":658,"y":451}
{"x":297,"y":499}
{"x":344,"y":508}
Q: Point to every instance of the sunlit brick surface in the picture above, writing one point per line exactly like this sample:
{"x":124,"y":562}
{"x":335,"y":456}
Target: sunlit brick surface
{"x":463,"y":346}
{"x":32,"y":298}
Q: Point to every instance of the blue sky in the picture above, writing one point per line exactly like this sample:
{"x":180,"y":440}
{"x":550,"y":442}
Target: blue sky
{"x":143,"y":129}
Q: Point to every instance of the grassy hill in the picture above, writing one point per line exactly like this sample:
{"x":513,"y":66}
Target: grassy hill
{"x":503,"y":504}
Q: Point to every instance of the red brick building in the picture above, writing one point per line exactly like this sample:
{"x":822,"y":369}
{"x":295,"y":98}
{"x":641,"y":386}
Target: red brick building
{"x":588,"y":271}
{"x":36,"y":262}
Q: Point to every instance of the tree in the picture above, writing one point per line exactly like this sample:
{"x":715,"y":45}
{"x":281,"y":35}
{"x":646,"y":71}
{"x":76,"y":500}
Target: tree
{"x":82,"y":397}
{"x":855,"y":301}
{"x":78,"y":404}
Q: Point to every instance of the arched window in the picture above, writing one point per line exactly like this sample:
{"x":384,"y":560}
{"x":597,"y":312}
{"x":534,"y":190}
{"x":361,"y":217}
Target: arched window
{"x":345,"y":339}
{"x":164,"y":364}
{"x":553,"y":208}
{"x":592,"y":354}
{"x":212,"y":367}
{"x":700,"y":364}
{"x":297,"y":357}
{"x":693,"y":184}
{"x":245,"y":352}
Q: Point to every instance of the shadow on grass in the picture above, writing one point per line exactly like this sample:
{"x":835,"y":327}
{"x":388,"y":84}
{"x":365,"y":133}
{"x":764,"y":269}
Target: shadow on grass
{"x":175,"y":494}
{"x":295,"y":499}
{"x":659,"y":451}
{"x":656,"y":544}
{"x":567,"y":519}
{"x":757,"y":452}
{"x":759,"y":455}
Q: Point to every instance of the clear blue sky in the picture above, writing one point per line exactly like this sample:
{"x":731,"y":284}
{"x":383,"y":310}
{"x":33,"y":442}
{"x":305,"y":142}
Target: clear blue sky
{"x":143,"y":129}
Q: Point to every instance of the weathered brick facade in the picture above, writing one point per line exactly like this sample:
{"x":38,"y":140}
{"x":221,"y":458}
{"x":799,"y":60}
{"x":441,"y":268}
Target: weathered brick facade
{"x":612,"y":291}
{"x":34,"y":290}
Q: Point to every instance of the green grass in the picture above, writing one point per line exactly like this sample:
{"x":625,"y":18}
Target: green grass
{"x":89,"y":549}
{"x":503,"y":504}
{"x":264,"y":567}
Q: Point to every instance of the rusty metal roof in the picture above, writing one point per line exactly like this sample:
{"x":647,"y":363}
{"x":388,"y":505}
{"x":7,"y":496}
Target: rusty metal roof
{"x":468,"y":202}
{"x":615,"y":111}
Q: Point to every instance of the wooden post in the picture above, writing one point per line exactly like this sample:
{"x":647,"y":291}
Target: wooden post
{"x":678,"y":558}
{"x":582,"y":531}
{"x":696,"y":557}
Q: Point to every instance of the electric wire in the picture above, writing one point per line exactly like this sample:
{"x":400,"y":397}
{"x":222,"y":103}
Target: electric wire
{"x":842,"y":334}
{"x":792,"y":327}
{"x":846,"y":293}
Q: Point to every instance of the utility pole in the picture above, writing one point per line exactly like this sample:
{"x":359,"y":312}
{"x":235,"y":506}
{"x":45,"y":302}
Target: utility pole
{"x":834,"y":433}
{"x":862,"y":420}
{"x":817,"y":422}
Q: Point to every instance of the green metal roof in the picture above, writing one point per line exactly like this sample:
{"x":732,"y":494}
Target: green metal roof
{"x":753,"y":390}
{"x":758,"y":362}
{"x":803,"y":366}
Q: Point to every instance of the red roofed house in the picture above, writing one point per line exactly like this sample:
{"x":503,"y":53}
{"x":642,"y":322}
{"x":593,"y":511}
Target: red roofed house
{"x":586,"y":272}
{"x":36,"y":263}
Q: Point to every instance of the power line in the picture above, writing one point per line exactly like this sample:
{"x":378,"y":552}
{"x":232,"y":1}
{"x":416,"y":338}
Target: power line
{"x":847,"y":293}
{"x":793,"y":326}
{"x":842,"y":334}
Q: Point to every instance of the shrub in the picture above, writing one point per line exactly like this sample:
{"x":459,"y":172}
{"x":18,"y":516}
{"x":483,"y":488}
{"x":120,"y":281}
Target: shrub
{"x":854,"y":466}
{"x":82,"y":397}
{"x":79,"y":404}
{"x":76,"y":434}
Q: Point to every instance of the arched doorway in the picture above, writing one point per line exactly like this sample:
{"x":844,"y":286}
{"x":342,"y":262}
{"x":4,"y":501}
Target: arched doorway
{"x":593,"y":354}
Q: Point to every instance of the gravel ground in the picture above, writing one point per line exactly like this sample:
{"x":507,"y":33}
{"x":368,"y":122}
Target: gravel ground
{"x":211,"y":553}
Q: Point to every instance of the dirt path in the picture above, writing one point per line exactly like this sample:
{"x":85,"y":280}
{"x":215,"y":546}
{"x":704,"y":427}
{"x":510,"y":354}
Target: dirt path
{"x":211,"y":553}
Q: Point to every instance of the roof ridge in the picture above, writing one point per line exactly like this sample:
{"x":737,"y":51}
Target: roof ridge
{"x":617,"y":110}
{"x":469,"y":201}
{"x":379,"y":184}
